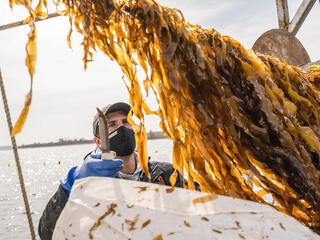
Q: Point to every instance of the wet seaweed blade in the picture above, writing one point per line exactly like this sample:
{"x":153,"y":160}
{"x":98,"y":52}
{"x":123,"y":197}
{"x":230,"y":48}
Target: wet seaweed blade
{"x":236,"y":119}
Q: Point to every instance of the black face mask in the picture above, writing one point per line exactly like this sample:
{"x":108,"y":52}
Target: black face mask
{"x":122,"y":141}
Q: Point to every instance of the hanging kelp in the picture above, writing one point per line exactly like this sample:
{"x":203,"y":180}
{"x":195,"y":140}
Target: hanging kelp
{"x":31,"y":50}
{"x":242,"y":125}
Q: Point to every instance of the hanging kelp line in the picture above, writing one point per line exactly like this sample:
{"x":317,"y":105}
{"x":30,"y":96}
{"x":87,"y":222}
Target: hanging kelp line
{"x":16,"y":156}
{"x":238,"y":121}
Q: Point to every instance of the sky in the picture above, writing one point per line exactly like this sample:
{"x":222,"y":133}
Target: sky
{"x":65,"y":95}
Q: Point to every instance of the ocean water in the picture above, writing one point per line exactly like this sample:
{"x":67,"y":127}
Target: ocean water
{"x":42,"y":169}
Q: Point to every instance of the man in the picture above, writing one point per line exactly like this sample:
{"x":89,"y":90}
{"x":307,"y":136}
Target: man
{"x":126,"y":165}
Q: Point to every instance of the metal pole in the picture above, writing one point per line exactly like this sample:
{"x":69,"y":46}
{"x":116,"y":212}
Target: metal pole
{"x":283,"y":14}
{"x":15,"y":151}
{"x":20,"y":23}
{"x":300,"y":16}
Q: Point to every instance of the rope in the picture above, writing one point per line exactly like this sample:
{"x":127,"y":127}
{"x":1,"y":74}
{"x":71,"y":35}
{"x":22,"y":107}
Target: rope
{"x":15,"y":150}
{"x":20,"y":23}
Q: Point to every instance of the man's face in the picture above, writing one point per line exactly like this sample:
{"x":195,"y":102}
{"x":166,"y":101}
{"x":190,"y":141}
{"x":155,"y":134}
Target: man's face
{"x":116,"y":120}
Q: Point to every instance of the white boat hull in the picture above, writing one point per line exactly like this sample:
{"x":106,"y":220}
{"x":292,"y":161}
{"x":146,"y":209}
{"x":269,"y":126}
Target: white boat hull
{"x":108,"y":208}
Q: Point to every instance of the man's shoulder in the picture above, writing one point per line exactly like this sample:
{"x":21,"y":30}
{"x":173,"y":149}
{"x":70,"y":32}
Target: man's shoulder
{"x":164,"y":166}
{"x":164,"y":170}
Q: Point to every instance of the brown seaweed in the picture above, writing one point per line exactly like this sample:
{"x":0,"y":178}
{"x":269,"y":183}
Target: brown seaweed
{"x":239,"y":122}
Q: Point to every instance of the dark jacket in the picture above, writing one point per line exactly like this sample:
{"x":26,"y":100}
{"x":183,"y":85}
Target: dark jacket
{"x":159,"y":172}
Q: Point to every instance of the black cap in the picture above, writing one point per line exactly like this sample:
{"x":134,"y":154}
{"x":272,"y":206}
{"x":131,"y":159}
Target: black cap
{"x":115,"y":107}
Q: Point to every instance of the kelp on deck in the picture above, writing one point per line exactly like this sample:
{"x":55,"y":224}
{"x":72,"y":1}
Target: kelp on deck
{"x":239,"y":122}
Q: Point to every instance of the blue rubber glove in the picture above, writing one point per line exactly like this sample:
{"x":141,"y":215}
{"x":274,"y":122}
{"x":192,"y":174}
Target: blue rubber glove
{"x":92,"y":166}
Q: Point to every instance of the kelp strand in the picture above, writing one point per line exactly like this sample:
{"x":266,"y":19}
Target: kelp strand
{"x":242,"y":125}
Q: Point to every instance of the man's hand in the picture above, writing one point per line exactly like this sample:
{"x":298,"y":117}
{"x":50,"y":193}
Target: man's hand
{"x":92,"y":166}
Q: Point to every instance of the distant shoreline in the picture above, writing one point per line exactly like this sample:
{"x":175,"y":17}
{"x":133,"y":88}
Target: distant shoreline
{"x":64,"y":142}
{"x":54,"y":144}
